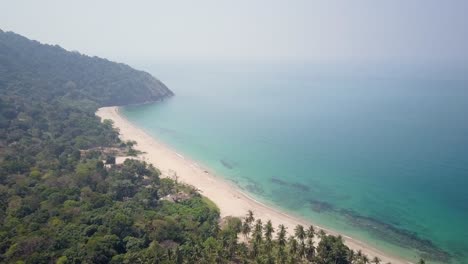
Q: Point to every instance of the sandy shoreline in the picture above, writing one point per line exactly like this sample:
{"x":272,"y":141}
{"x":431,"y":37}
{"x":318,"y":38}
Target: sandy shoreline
{"x":227,"y":197}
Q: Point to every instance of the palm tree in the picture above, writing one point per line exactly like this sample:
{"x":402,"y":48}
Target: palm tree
{"x":228,"y":243}
{"x":310,"y":248}
{"x":245,"y":229}
{"x":178,"y":256}
{"x":359,"y":253}
{"x":292,"y":242}
{"x":258,"y":228}
{"x":250,"y":217}
{"x":281,"y":235}
{"x":351,"y":256}
{"x":247,"y":224}
{"x":268,"y":229}
{"x":242,"y":252}
{"x":269,"y":259}
{"x":376,"y":260}
{"x":281,"y":238}
{"x":255,"y":248}
{"x":310,"y":232}
{"x":321,"y":233}
{"x":300,"y":234}
{"x":421,"y":261}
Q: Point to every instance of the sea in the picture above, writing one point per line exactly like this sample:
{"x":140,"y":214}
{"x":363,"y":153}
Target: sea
{"x":377,"y":152}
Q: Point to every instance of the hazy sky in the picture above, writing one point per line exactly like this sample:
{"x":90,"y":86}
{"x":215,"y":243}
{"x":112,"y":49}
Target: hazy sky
{"x":427,"y":30}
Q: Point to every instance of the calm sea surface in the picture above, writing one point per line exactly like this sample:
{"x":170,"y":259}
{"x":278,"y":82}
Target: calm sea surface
{"x":380,"y":154}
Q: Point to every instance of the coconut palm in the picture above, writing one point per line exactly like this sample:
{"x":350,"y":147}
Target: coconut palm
{"x":268,"y":229}
{"x":246,"y":229}
{"x":376,"y":260}
{"x":281,"y":235}
{"x":281,"y":238}
{"x":365,"y":259}
{"x":321,"y":233}
{"x":300,"y":234}
{"x":351,"y":256}
{"x":269,"y":259}
{"x":359,"y":253}
{"x":250,"y":217}
{"x":310,"y":232}
{"x":292,"y":243}
{"x":310,"y":248}
{"x":255,"y":248}
{"x":257,"y":233}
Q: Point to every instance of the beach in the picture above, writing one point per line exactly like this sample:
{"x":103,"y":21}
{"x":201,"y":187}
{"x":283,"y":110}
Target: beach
{"x":228,"y":197}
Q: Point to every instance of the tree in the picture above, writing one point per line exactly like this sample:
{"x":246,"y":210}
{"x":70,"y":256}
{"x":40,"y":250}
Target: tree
{"x":250,"y":217}
{"x":332,"y":250}
{"x":310,"y":248}
{"x":246,"y":229}
{"x":321,"y":233}
{"x":257,"y":233}
{"x":211,"y":248}
{"x":101,"y":249}
{"x":110,"y":160}
{"x":310,"y":232}
{"x":281,"y":238}
{"x":300,"y":233}
{"x":292,"y":248}
{"x":268,"y":229}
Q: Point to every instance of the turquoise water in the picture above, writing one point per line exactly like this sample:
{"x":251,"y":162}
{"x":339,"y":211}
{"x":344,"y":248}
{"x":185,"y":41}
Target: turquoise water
{"x":380,"y":157}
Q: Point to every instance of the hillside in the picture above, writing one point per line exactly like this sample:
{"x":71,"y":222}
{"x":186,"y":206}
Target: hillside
{"x":51,"y":71}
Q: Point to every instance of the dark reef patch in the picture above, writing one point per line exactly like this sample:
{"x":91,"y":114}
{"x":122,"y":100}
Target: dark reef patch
{"x":227,"y":164}
{"x":298,"y":186}
{"x":279,"y":181}
{"x":398,"y":236}
{"x":254,"y":188}
{"x":385,"y":231}
{"x":320,"y":206}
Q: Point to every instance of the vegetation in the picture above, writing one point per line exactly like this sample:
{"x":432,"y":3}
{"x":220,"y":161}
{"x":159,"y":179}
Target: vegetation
{"x":64,"y":200}
{"x":47,"y":72}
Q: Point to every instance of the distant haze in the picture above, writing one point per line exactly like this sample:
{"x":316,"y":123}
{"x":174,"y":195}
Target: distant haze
{"x":305,"y":30}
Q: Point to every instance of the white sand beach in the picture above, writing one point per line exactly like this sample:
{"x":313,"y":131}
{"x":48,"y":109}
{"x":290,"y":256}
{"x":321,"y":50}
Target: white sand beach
{"x":230,"y":200}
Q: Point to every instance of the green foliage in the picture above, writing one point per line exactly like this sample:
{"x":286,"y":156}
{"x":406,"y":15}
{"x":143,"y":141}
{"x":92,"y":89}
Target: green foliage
{"x":332,"y":250}
{"x":47,"y":73}
{"x":110,"y":160}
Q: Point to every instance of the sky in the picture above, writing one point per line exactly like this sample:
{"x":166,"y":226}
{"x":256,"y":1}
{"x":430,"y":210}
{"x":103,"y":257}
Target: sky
{"x":257,"y":30}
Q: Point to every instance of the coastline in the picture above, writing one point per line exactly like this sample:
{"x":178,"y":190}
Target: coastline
{"x":228,"y":197}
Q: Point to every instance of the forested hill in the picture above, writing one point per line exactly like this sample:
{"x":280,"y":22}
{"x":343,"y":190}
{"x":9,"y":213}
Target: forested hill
{"x":50,"y":71}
